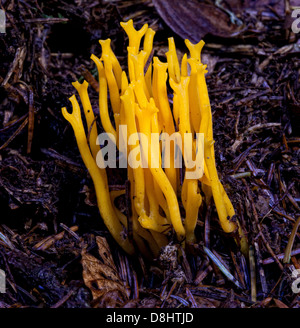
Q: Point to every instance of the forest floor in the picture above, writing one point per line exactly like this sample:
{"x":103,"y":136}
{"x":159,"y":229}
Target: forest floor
{"x":52,"y":239}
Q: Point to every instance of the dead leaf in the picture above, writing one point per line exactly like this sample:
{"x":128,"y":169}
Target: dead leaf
{"x":193,"y":19}
{"x":263,"y":6}
{"x":102,"y":277}
{"x":266,"y":302}
{"x":280,"y":304}
{"x":90,"y":197}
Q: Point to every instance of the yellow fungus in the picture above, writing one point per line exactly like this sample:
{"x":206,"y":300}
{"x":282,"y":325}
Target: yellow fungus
{"x":103,"y":197}
{"x":162,"y":102}
{"x":173,"y":64}
{"x":114,"y":94}
{"x":148,"y":43}
{"x":89,"y":115}
{"x":184,"y":66}
{"x":140,"y":102}
{"x":134,"y":35}
{"x":103,"y":108}
{"x":195,"y":49}
{"x":107,"y":51}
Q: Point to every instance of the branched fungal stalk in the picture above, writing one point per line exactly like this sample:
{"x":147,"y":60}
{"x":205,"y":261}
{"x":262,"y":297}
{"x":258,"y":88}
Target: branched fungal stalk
{"x":153,"y":136}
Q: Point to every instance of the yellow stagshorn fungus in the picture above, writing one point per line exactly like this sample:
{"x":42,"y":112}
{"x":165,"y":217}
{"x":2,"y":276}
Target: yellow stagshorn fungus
{"x":142,"y":105}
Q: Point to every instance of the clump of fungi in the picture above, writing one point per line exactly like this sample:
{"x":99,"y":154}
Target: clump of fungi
{"x":141,"y":104}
